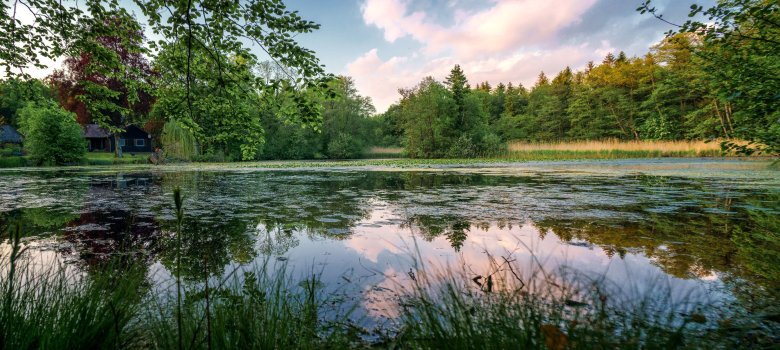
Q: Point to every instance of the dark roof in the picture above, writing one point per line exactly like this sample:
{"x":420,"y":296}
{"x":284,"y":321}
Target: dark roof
{"x":9,"y":134}
{"x":94,"y":131}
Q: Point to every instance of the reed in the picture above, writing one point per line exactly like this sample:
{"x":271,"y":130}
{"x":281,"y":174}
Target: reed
{"x":516,"y":307}
{"x":703,"y":148}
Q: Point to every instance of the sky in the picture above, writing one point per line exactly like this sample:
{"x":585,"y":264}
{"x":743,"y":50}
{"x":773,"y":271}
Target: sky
{"x":385,"y":45}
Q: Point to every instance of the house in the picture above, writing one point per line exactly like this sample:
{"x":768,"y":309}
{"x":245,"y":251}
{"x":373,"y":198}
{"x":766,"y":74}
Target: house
{"x":9,"y":135}
{"x":132,"y":140}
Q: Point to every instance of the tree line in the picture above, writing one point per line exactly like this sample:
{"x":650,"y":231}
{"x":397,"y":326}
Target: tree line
{"x":205,"y":96}
{"x":718,"y":80}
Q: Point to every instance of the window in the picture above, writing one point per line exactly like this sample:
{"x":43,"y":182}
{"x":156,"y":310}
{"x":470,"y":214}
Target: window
{"x":122,"y":142}
{"x":140,"y":142}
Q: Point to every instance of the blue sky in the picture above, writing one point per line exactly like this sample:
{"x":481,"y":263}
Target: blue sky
{"x":389,"y":44}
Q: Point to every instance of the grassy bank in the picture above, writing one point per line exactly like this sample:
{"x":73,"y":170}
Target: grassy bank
{"x":394,"y":157}
{"x":105,"y":158}
{"x":90,"y":158}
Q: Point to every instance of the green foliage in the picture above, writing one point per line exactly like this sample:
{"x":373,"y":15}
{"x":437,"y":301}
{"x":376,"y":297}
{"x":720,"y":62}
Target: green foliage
{"x":16,"y":93}
{"x":739,"y":60}
{"x":178,"y":141}
{"x":52,"y":135}
{"x":441,"y":122}
{"x":223,"y":118}
{"x":345,"y":132}
{"x":344,"y":146}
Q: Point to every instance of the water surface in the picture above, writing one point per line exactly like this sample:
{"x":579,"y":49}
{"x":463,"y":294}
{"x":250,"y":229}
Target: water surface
{"x":696,"y":228}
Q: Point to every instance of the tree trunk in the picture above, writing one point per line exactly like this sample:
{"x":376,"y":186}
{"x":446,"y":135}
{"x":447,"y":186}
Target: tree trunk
{"x":117,"y":147}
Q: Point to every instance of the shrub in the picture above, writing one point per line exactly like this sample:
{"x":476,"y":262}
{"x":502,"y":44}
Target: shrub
{"x":52,"y":135}
{"x":492,"y":145}
{"x":344,"y":146}
{"x":178,"y":141}
{"x":211,"y":156}
{"x":463,"y":147}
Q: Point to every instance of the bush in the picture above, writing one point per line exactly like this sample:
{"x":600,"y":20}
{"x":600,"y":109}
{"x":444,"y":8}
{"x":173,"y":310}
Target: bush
{"x":178,"y":142}
{"x":344,"y":146}
{"x":492,"y":145}
{"x":211,"y":156}
{"x":52,"y":135}
{"x":12,"y":162}
{"x":463,"y":147}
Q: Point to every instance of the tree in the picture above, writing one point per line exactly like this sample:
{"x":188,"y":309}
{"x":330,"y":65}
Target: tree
{"x":458,"y":85}
{"x":52,"y":135}
{"x":741,"y":57}
{"x":178,"y":142}
{"x":17,"y":93}
{"x":215,"y":28}
{"x":345,"y":120}
{"x":107,"y":81}
{"x":223,"y":115}
{"x":427,"y":112}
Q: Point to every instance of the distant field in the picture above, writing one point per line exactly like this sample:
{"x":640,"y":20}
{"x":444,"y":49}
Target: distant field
{"x":617,"y":149}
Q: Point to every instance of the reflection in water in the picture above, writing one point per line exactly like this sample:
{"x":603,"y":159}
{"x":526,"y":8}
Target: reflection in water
{"x":362,"y":228}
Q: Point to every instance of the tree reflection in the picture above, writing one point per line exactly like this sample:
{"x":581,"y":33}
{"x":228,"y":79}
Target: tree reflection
{"x":207,"y":247}
{"x":455,"y":229}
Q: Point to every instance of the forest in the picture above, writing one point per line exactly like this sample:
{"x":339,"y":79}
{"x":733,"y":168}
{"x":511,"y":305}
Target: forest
{"x":716,"y":83}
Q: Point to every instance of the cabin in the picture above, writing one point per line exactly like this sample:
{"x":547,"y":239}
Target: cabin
{"x":132,"y":140}
{"x":9,"y":135}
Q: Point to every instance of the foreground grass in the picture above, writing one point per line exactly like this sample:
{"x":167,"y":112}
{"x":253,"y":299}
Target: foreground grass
{"x":118,"y":307}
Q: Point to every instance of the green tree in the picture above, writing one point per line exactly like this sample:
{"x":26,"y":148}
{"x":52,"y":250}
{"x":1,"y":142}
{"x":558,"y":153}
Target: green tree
{"x":458,"y":85}
{"x":222,"y":115}
{"x":428,"y":111}
{"x":346,"y":126}
{"x":106,"y":77}
{"x":17,"y":93}
{"x":178,"y":141}
{"x":741,"y":57}
{"x":52,"y":135}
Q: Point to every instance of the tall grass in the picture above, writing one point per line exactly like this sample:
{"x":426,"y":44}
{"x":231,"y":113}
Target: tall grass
{"x":51,"y":308}
{"x":663,"y":148}
{"x":384,"y":152}
{"x":539,"y":310}
{"x":116,"y":308}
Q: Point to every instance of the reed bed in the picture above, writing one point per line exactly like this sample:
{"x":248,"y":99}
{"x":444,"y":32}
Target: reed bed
{"x":697,"y":147}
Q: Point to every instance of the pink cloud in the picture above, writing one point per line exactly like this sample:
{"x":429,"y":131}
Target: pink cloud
{"x":503,"y":27}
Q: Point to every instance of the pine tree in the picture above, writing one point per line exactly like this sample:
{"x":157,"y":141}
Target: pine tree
{"x":458,"y":85}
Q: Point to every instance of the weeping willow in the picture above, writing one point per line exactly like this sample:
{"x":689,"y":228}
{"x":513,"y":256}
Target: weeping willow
{"x":178,"y":141}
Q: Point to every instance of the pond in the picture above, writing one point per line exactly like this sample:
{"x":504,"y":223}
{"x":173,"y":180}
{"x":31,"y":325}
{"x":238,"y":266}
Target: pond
{"x":694,"y":228}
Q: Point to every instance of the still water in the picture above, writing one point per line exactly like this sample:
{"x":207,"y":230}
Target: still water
{"x":701,"y":230}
